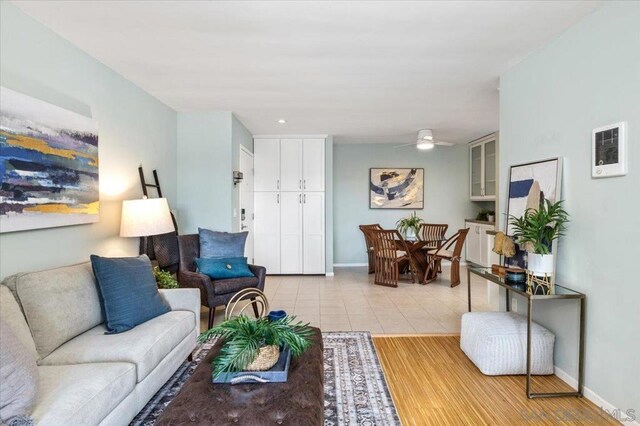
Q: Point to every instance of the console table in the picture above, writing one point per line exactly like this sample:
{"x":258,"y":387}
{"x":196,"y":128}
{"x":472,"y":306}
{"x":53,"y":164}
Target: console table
{"x":557,"y":292}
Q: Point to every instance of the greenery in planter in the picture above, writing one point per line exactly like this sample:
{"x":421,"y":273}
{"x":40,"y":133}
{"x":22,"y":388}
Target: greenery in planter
{"x":164,"y":279}
{"x":484,"y":214}
{"x":244,"y":336}
{"x":409,"y":223}
{"x":537,"y":229}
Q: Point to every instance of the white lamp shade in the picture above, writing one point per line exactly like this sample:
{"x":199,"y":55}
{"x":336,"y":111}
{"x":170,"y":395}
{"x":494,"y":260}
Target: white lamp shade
{"x":149,"y":216}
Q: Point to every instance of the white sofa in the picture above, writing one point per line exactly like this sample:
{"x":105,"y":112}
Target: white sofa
{"x":85,"y":376}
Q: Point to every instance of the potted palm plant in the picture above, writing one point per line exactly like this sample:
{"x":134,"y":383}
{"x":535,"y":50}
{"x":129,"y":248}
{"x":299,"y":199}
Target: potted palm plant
{"x":254,"y":344}
{"x":409,"y":226}
{"x":536,"y":230}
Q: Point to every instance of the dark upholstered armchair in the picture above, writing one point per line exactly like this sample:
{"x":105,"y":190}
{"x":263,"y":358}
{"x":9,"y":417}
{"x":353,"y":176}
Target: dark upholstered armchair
{"x":213,"y":293}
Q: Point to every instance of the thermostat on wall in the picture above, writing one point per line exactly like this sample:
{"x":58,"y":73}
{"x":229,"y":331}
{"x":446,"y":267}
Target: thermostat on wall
{"x":608,"y":151}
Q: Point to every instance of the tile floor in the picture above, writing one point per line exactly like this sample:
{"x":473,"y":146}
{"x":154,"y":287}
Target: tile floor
{"x":350,"y":301}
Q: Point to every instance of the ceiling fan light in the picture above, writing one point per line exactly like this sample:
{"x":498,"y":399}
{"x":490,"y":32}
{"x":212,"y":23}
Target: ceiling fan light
{"x":424,"y":144}
{"x":425,"y":134}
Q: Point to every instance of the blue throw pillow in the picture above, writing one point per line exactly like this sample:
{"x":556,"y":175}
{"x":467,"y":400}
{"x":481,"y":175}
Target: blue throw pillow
{"x":224,"y":268}
{"x":221,"y":244}
{"x":128,"y":292}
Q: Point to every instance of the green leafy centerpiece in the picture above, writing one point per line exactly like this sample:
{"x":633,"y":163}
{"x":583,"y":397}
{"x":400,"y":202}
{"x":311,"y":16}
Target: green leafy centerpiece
{"x":251,"y":344}
{"x":409,"y":227}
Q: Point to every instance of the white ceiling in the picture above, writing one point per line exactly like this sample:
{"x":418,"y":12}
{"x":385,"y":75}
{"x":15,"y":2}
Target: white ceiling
{"x":361,"y":71}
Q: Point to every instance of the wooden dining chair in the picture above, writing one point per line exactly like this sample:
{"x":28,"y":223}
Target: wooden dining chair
{"x":433,"y":236}
{"x":390,"y":252}
{"x":445,"y":252}
{"x":368,"y":241}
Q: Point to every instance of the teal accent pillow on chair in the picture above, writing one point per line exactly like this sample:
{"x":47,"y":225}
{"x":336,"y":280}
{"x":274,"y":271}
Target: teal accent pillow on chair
{"x":128,"y":292}
{"x":224,"y":267}
{"x":221,"y":244}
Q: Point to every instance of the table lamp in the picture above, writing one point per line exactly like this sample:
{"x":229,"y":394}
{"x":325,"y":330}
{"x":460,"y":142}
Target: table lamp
{"x":145,"y":217}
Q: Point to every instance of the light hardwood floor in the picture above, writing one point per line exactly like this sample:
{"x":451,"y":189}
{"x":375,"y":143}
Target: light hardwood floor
{"x":432,"y":382}
{"x":349,"y":301}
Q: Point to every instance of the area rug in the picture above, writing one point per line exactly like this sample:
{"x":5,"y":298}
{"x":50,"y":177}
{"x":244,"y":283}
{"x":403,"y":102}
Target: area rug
{"x":355,"y":390}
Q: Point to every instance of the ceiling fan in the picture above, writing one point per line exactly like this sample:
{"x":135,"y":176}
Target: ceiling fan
{"x":426,"y":141}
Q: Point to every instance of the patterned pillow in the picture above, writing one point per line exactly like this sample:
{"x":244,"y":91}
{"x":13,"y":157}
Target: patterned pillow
{"x":221,"y":244}
{"x":128,"y":292}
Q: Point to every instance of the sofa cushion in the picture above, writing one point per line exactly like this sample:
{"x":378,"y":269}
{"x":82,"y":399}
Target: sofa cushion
{"x":18,"y":376}
{"x":11,"y":313}
{"x":128,"y":291}
{"x":81,"y":394}
{"x":233,"y":285}
{"x":145,"y":346}
{"x":59,"y":304}
{"x":221,"y":244}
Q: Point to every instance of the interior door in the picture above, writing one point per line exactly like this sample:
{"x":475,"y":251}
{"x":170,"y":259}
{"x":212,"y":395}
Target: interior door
{"x":313,"y":165}
{"x":267,"y":231}
{"x":266,"y":154}
{"x":291,"y":164}
{"x":313,"y":231}
{"x":246,"y":201}
{"x":291,"y":233}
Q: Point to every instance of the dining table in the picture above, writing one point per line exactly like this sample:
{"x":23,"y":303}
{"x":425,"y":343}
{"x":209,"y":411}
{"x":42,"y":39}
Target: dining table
{"x":425,"y":266}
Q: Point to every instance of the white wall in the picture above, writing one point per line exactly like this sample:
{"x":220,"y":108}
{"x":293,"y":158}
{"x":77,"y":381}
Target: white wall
{"x":549,"y":103}
{"x":446,"y":191}
{"x":134,"y":129}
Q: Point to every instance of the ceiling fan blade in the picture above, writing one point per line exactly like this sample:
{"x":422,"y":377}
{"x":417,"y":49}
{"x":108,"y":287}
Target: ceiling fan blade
{"x":406,"y":144}
{"x":444,"y":143}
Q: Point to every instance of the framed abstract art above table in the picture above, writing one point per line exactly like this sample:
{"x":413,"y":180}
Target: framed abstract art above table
{"x":396,"y":188}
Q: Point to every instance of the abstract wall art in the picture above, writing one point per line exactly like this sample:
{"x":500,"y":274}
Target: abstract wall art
{"x":48,"y":165}
{"x":532,"y":183}
{"x":394,"y":188}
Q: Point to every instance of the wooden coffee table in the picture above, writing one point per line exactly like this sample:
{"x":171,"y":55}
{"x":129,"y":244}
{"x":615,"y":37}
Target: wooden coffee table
{"x":299,"y":401}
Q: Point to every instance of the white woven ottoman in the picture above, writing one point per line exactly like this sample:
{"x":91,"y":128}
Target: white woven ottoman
{"x":496,"y":342}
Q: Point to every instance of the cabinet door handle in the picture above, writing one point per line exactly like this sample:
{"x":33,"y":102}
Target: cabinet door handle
{"x":304,"y":197}
{"x":277,"y":183}
{"x":300,"y":198}
{"x":300,"y":184}
{"x":278,"y":198}
{"x":304,"y":184}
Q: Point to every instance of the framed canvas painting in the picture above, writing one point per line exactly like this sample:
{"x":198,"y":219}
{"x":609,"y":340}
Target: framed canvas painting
{"x":48,"y":165}
{"x":529,"y":185}
{"x":394,"y":188}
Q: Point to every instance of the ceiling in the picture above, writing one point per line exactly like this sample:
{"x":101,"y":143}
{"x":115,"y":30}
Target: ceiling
{"x":361,"y":71}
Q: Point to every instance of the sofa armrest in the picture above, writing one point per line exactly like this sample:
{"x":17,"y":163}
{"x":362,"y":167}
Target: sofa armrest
{"x":260,"y":272}
{"x":184,"y":299}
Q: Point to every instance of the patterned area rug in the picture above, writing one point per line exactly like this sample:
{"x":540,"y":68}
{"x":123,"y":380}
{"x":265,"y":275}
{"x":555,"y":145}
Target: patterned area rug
{"x":355,"y":391}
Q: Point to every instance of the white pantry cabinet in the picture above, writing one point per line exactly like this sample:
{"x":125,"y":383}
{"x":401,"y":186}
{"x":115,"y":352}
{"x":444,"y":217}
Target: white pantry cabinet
{"x":295,"y":170}
{"x":266,"y":225}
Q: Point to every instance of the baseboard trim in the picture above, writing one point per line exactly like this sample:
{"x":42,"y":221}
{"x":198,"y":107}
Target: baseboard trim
{"x":617,"y":414}
{"x":349,"y":265}
{"x":329,"y":274}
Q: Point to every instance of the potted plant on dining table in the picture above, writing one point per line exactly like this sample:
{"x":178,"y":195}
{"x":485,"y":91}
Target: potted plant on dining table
{"x":409,"y":227}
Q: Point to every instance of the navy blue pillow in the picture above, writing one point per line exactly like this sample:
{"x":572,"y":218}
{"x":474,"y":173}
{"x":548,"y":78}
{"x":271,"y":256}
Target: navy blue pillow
{"x":221,"y":244}
{"x":128,"y":291}
{"x":224,"y":267}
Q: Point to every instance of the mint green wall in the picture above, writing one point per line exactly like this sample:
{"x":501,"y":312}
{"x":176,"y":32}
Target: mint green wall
{"x":134,"y":129}
{"x":549,"y":103}
{"x":208,"y":152}
{"x":205,"y":183}
{"x":328,"y":204}
{"x":446,"y":191}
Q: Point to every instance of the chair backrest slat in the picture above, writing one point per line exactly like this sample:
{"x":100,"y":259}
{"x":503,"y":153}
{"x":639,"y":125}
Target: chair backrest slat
{"x":433,"y":233}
